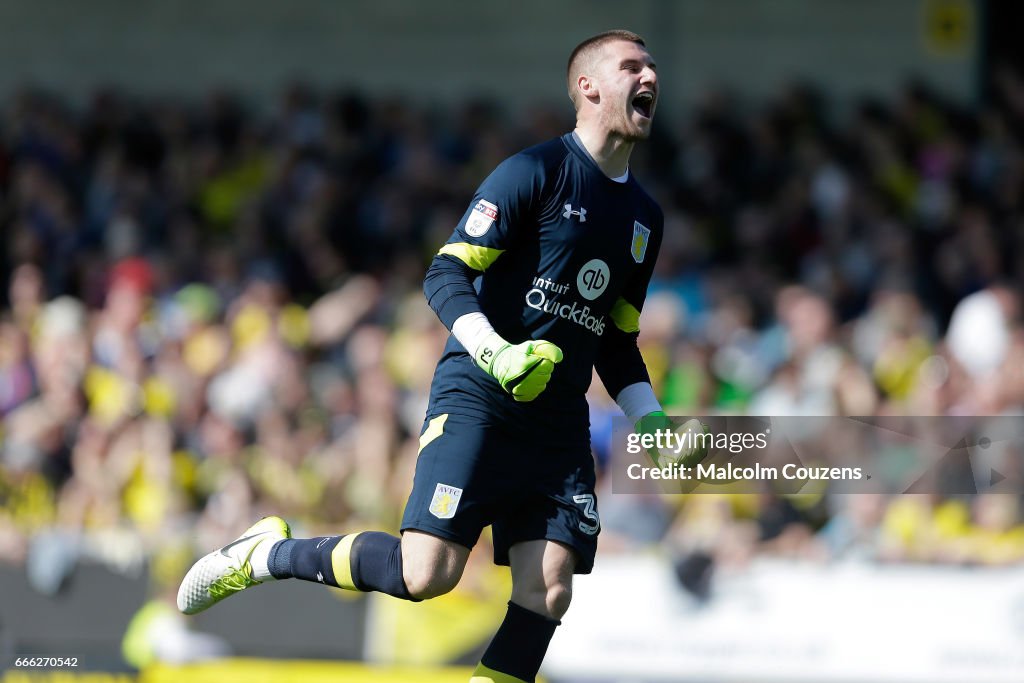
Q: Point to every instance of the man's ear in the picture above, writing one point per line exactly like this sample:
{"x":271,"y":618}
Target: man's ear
{"x":587,"y":86}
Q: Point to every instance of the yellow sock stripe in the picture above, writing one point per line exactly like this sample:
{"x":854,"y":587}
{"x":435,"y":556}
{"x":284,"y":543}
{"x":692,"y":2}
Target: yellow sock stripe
{"x":482,"y":674}
{"x":341,"y":562}
{"x":433,"y":430}
{"x":626,"y":316}
{"x":474,"y":256}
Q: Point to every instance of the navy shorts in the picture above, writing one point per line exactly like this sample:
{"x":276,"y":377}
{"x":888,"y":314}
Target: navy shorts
{"x":471,"y":473}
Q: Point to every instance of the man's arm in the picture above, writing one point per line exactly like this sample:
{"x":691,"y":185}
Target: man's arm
{"x":621,"y":367}
{"x":448,"y":284}
{"x":523,"y":370}
{"x":624,"y":373}
{"x":483,"y":234}
{"x":619,"y":363}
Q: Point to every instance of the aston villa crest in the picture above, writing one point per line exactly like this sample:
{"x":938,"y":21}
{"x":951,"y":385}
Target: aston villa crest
{"x":641,"y":236}
{"x":445,"y":501}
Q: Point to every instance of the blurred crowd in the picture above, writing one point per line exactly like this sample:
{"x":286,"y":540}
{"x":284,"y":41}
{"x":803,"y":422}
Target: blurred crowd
{"x":213,"y":312}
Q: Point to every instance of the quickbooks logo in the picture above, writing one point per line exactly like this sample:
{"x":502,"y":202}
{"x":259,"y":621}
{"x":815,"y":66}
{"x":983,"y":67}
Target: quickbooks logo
{"x":593,"y":279}
{"x":544,"y":297}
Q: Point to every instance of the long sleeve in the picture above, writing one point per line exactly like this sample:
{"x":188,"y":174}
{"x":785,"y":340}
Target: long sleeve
{"x":619,"y":363}
{"x":500,"y":206}
{"x":449,"y":289}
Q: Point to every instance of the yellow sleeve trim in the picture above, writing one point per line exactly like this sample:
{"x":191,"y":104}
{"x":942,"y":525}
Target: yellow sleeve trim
{"x":476,"y":257}
{"x":342,"y":563}
{"x":484,"y":674}
{"x":433,"y":430}
{"x":625,"y":316}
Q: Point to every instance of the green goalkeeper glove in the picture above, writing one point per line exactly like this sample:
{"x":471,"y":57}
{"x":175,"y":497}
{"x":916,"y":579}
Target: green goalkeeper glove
{"x":695,"y":449}
{"x":523,"y":370}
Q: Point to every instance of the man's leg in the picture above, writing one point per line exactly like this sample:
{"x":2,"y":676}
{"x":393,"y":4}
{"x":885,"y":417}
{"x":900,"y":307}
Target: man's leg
{"x":416,"y":567}
{"x":541,"y":591}
{"x":441,"y":525}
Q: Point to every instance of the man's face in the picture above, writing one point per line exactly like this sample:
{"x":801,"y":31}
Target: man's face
{"x":628,"y":88}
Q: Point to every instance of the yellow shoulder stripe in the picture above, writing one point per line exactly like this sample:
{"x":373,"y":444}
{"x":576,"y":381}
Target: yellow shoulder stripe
{"x":625,"y":316}
{"x":476,"y":257}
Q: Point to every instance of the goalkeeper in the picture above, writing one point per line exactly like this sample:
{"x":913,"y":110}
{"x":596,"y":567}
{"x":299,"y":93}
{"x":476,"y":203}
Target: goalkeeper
{"x":560,"y":241}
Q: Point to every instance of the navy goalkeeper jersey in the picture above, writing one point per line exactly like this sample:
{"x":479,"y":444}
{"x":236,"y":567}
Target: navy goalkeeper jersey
{"x":560,"y":252}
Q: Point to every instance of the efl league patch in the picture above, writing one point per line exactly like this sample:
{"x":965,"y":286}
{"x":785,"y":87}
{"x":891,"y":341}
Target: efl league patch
{"x":481,"y":218}
{"x":640,"y":237}
{"x":445,"y":501}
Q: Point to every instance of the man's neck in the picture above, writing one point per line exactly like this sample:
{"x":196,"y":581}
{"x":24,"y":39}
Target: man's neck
{"x":610,"y":152}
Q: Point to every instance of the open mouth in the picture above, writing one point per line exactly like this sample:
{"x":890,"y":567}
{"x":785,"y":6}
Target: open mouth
{"x":644,"y":104}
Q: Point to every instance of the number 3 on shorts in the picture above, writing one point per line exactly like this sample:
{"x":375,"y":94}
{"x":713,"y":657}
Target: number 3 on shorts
{"x":590,"y":512}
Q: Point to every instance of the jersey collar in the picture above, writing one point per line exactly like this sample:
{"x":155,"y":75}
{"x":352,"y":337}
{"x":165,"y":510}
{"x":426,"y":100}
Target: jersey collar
{"x":574,"y":140}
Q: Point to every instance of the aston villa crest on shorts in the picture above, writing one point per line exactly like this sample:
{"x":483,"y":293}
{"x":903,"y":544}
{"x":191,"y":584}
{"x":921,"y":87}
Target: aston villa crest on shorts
{"x":445,"y":501}
{"x":640,"y":237}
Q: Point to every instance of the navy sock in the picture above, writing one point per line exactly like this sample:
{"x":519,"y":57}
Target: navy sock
{"x":519,"y":646}
{"x":374,"y":560}
{"x":304,"y":558}
{"x":377,"y":564}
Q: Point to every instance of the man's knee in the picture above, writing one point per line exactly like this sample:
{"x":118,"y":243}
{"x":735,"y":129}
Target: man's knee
{"x":542,"y":576}
{"x":557,"y":599}
{"x":431,"y":566}
{"x":552,"y":600}
{"x":425,"y":581}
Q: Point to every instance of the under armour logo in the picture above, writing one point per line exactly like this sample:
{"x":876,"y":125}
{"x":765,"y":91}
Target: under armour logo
{"x":582,"y":213}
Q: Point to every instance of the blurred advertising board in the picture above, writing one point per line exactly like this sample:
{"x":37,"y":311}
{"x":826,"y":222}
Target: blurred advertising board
{"x":795,"y":622}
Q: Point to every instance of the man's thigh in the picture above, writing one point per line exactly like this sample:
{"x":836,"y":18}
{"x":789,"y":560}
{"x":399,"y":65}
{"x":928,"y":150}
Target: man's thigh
{"x":556,"y":504}
{"x":471,"y":473}
{"x":460,"y":480}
